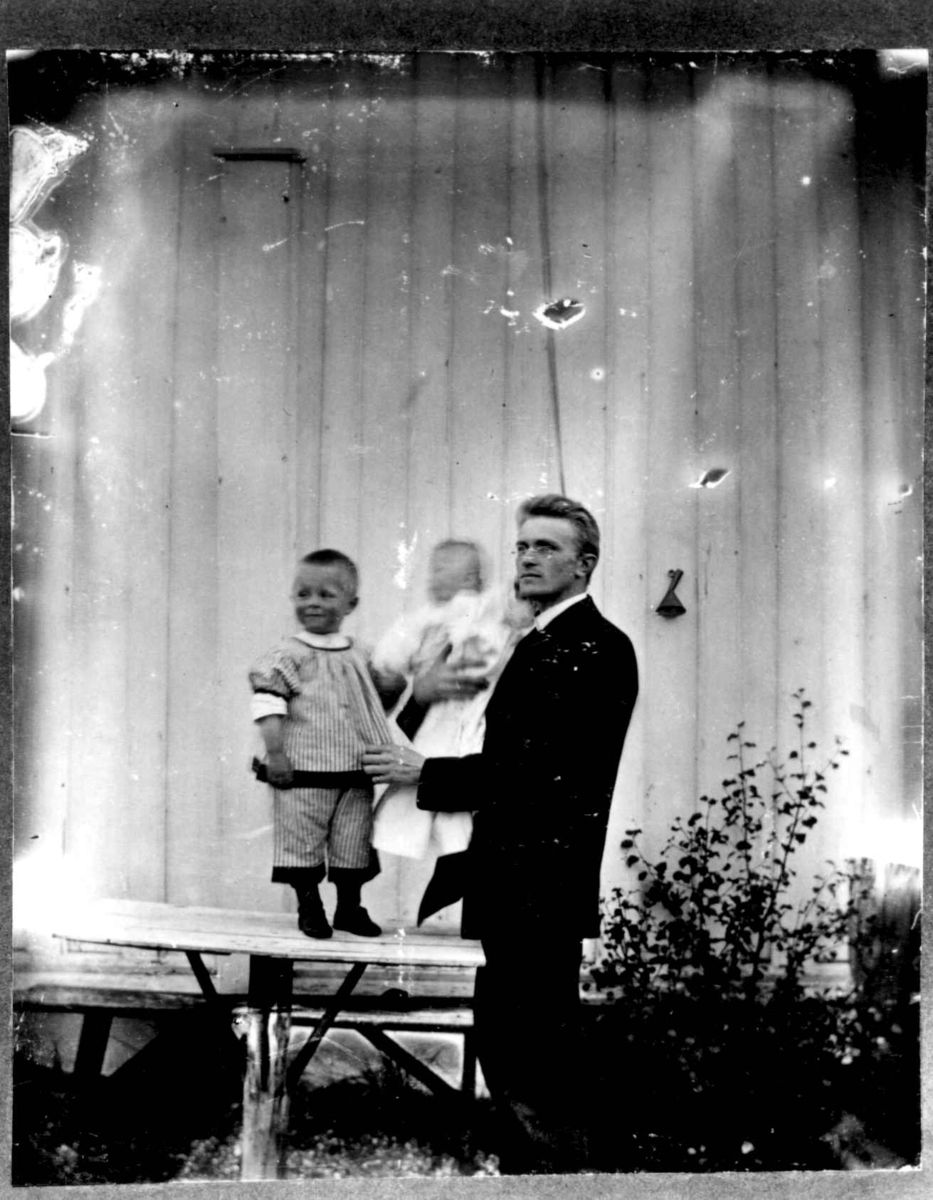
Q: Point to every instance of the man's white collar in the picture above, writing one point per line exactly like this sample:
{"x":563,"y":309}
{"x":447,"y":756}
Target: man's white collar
{"x":547,"y":616}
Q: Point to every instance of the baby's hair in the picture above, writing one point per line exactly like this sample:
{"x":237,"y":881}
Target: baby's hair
{"x":455,"y":543}
{"x":336,"y":558}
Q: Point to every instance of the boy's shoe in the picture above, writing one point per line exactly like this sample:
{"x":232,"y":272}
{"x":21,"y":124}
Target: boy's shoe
{"x":314,"y":925}
{"x":356,"y":920}
{"x":312,"y":920}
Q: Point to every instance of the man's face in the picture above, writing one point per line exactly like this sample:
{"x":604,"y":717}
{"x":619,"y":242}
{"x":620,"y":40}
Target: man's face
{"x":548,"y":567}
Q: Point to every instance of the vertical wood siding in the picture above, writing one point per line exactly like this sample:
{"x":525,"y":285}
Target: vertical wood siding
{"x":342,"y":351}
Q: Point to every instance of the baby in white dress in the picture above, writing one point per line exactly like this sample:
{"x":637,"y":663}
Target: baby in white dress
{"x":472,"y":624}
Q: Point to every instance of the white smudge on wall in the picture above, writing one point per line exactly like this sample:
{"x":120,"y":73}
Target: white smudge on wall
{"x":40,"y":158}
{"x":405,"y":552}
{"x":87,"y":285}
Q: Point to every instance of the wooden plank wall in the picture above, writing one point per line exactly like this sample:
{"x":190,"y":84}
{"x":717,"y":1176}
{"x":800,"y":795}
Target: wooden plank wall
{"x":342,"y":350}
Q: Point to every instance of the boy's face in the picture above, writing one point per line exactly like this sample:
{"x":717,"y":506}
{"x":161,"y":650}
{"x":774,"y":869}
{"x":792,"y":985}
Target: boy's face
{"x":323,"y":597}
{"x":453,"y":569}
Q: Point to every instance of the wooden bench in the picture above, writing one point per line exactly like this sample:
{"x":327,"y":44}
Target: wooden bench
{"x":100,"y":997}
{"x":264,"y":1016}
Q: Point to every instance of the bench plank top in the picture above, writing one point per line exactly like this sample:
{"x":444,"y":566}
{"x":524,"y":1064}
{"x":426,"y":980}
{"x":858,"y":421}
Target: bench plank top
{"x":275,"y":935}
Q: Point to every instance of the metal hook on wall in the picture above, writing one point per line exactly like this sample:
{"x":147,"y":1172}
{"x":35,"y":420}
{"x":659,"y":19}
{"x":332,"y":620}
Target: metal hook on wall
{"x":670,"y":606}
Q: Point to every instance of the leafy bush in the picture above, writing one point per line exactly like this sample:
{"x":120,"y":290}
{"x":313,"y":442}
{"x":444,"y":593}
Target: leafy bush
{"x":713,"y":915}
{"x":737,"y":1063}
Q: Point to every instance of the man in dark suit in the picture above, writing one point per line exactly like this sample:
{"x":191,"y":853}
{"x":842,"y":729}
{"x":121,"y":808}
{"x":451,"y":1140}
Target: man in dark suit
{"x":541,"y":790}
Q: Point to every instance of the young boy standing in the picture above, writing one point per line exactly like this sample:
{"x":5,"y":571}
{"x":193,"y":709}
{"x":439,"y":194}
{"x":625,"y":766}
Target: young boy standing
{"x":316,"y":707}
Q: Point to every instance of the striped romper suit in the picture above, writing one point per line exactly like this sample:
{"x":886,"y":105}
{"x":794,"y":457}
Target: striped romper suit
{"x":321,"y":684}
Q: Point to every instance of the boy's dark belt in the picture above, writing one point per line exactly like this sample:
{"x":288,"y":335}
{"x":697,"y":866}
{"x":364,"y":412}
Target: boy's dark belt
{"x":318,"y":779}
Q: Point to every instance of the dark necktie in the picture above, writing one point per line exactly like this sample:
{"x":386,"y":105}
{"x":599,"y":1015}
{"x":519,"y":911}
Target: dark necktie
{"x":531,"y":639}
{"x":409,"y":720}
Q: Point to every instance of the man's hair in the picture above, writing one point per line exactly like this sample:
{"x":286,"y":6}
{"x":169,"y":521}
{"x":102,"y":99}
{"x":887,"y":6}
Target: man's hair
{"x":336,"y":558}
{"x":553,"y":505}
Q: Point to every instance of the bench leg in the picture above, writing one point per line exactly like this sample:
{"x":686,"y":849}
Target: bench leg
{"x":468,"y":1078}
{"x":327,"y":1018}
{"x":408,"y":1062}
{"x":265,"y":1096}
{"x":92,"y":1045}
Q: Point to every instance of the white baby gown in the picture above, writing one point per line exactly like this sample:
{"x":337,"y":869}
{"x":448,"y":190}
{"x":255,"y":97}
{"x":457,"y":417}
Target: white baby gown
{"x":476,"y":625}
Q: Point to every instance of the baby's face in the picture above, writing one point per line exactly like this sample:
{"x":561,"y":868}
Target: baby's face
{"x":322,"y":596}
{"x":453,"y":569}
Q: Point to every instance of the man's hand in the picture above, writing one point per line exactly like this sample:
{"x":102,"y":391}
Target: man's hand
{"x":279,"y":769}
{"x":441,"y":681}
{"x":392,"y":764}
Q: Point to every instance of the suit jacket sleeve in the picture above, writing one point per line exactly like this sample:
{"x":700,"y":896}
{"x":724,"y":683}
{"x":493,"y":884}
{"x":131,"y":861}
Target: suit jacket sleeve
{"x":452,"y":784}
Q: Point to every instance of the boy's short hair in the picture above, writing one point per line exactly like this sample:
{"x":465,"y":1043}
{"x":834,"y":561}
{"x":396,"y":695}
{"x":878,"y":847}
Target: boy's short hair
{"x":553,"y":505}
{"x":336,"y":558}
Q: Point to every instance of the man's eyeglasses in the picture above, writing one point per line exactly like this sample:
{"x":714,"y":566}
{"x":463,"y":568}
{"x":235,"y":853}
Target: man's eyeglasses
{"x":540,"y":552}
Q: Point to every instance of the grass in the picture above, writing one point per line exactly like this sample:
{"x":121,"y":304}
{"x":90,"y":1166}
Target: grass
{"x":377,"y":1124}
{"x":773,"y":1088}
{"x":349,"y":1117}
{"x":679,"y":1090}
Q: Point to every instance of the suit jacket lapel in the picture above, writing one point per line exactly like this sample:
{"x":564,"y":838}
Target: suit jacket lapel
{"x":516,"y":675}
